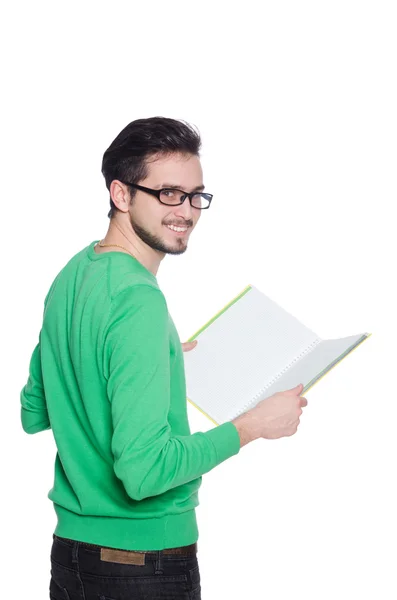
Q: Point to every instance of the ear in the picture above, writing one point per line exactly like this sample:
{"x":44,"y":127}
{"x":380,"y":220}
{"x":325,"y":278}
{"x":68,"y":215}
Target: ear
{"x":119,"y":194}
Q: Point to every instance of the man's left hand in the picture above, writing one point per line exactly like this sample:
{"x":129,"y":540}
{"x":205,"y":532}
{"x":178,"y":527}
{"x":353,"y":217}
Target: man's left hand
{"x":186,"y":346}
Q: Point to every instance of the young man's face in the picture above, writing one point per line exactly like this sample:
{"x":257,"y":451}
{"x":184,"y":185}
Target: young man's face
{"x":149,"y":218}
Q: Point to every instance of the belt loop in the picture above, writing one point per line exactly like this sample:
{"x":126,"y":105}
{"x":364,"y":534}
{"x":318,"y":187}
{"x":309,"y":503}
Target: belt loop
{"x":158,"y":570}
{"x":75,"y":551}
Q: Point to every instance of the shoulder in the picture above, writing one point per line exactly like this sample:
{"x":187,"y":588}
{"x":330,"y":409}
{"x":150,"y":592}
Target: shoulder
{"x":137,"y":300}
{"x":137,"y":309}
{"x":129,"y":275}
{"x":137,"y":291}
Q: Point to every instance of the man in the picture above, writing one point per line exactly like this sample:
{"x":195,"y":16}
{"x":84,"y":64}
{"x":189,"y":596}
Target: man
{"x":107,"y":376}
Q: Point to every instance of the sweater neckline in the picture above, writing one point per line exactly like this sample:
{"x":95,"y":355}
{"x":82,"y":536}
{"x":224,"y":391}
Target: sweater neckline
{"x":112,"y":253}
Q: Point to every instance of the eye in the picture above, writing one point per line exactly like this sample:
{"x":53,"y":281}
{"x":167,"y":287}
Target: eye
{"x":168,"y":193}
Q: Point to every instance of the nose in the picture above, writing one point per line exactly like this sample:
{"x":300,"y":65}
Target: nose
{"x":184,"y":210}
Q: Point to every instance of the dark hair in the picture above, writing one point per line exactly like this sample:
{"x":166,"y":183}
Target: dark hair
{"x":125,"y":159}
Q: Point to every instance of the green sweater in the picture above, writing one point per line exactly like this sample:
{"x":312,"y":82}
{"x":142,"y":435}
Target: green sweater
{"x":107,"y":376}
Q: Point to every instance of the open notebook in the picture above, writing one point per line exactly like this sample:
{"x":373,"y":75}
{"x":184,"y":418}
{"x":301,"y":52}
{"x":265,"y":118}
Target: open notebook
{"x":252,"y":349}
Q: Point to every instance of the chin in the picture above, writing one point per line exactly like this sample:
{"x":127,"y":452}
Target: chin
{"x":179,"y":250}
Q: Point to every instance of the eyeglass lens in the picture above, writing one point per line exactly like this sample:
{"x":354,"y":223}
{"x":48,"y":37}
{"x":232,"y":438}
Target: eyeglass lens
{"x":171,"y":197}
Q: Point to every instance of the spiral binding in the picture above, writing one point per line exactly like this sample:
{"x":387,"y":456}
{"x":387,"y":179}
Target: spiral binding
{"x":270,"y":383}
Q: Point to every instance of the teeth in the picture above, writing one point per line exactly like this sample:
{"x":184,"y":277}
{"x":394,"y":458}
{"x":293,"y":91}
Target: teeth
{"x":177,"y":228}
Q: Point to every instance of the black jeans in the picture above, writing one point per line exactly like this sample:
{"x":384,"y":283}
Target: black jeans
{"x":78,"y":572}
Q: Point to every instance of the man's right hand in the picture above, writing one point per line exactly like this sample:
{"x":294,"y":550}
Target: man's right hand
{"x":273,"y":417}
{"x":278,"y":415}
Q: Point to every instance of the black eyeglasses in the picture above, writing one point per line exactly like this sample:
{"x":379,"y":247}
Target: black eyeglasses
{"x":173,"y":197}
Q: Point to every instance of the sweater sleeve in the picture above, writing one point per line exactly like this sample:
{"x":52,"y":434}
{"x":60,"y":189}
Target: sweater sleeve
{"x":34,"y":415}
{"x":148,"y":459}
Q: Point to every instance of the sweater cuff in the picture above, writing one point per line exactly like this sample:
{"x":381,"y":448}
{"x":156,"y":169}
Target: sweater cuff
{"x":35,"y":420}
{"x":226,"y":440}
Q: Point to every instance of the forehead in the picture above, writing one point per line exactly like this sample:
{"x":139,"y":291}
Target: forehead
{"x":179,"y":169}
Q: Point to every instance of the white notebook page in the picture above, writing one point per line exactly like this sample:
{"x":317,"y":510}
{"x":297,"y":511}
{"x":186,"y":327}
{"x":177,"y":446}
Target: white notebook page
{"x":241,"y":352}
{"x":312,"y":365}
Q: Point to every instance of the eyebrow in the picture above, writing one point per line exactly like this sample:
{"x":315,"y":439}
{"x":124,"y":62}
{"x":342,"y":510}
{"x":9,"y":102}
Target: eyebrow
{"x":199,"y":188}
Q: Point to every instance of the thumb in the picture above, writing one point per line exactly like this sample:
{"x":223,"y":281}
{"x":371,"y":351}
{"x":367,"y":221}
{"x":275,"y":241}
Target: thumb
{"x":297,"y":389}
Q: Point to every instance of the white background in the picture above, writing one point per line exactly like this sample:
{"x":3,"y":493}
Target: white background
{"x":296,"y":105}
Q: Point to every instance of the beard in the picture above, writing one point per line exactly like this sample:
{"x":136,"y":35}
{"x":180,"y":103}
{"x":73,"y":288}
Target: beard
{"x":157,"y":243}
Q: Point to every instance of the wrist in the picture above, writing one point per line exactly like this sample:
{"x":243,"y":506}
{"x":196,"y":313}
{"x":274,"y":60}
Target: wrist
{"x":245,"y":425}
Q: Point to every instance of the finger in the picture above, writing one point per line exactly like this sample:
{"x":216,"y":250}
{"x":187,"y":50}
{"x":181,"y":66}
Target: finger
{"x":291,"y":429}
{"x":303,"y":401}
{"x":186,"y":346}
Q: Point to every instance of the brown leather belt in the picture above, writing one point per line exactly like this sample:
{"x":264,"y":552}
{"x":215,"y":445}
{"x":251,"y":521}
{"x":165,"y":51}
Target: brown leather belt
{"x":191,"y":549}
{"x":138,"y":557}
{"x":182,"y":550}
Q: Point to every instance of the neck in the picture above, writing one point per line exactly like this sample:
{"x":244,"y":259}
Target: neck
{"x":148,"y":257}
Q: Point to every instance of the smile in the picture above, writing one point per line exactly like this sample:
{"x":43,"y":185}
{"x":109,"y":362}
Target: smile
{"x":177,"y":229}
